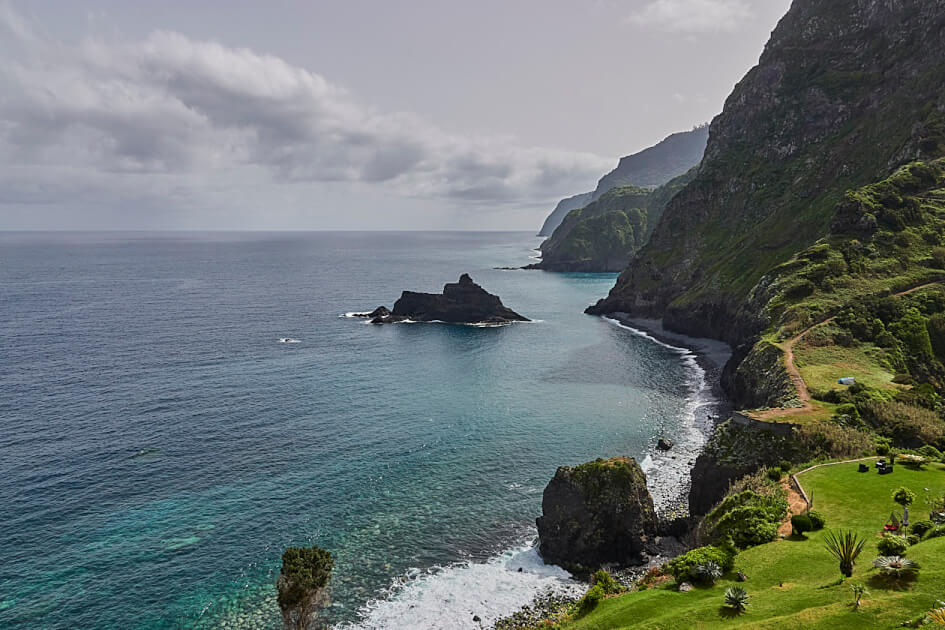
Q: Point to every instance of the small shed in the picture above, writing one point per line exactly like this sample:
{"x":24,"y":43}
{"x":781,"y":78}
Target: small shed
{"x":847,"y":380}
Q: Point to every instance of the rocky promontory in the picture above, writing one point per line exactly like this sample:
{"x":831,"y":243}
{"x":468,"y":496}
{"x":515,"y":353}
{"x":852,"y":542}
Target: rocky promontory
{"x":597,"y":513}
{"x":463,"y":302}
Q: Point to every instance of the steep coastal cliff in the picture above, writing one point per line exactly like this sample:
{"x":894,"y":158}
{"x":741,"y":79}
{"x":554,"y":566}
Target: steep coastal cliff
{"x":650,"y":168}
{"x":843,"y":93}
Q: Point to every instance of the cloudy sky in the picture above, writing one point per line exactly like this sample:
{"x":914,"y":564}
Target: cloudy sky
{"x":351,"y":114}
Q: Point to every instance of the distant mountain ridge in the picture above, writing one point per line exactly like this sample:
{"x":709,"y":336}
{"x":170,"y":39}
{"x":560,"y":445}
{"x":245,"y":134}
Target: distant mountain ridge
{"x":650,"y":168}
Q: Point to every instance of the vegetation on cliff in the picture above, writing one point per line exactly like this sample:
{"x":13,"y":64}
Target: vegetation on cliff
{"x":650,"y":168}
{"x":301,"y":586}
{"x":604,"y":235}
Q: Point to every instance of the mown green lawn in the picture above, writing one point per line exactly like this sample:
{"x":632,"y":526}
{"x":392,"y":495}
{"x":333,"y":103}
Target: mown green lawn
{"x":792,"y":583}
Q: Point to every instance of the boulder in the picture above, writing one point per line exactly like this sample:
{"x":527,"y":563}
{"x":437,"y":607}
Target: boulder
{"x":463,"y":302}
{"x":380,"y":311}
{"x":664,"y":444}
{"x":597,"y":513}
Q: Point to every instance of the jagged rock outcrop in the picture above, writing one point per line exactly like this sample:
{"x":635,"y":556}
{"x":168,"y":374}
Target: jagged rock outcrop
{"x":842,"y":94}
{"x":596,"y":513}
{"x":463,"y":302}
{"x":756,"y":378}
{"x":650,"y":168}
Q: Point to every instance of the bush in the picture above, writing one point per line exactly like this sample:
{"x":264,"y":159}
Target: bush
{"x":591,"y":598}
{"x":930,"y":452}
{"x":896,"y":567}
{"x":748,"y":518}
{"x":936,"y":532}
{"x":912,"y":539}
{"x":774,"y":474}
{"x":683,"y":567}
{"x":304,"y":569}
{"x":919,"y":528}
{"x":608,"y":584}
{"x":706,"y":573}
{"x":903,"y":423}
{"x":904,"y":496}
{"x":892,"y":546}
{"x":801,"y":523}
{"x":785,"y":465}
{"x":817,"y":520}
{"x":882,"y":448}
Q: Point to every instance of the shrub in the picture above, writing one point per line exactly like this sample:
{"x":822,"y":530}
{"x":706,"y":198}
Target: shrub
{"x":736,"y":598}
{"x":920,"y":527}
{"x":896,"y":567}
{"x":817,"y":520}
{"x":913,"y":539}
{"x":591,"y":598}
{"x":608,"y":584}
{"x":683,"y":567}
{"x":930,"y":452}
{"x":774,"y":474}
{"x":904,"y":496}
{"x":892,"y":546}
{"x":785,"y":465}
{"x":748,"y":518}
{"x":858,"y":592}
{"x":882,"y":448}
{"x":903,"y":422}
{"x":828,"y":439}
{"x":801,"y":523}
{"x":936,"y":532}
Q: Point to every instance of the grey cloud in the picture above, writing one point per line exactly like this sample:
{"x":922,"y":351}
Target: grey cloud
{"x":173,"y":106}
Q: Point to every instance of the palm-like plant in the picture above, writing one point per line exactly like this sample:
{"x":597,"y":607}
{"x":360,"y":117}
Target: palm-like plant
{"x":707,"y":573}
{"x":937,"y":616}
{"x":736,"y":598}
{"x":896,"y":567}
{"x":845,"y":547}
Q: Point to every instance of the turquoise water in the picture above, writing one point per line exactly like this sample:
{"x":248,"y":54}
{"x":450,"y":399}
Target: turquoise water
{"x":160,"y":447}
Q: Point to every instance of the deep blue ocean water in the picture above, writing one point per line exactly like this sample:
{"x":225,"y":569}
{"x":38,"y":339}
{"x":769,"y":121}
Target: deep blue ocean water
{"x":159,"y":447}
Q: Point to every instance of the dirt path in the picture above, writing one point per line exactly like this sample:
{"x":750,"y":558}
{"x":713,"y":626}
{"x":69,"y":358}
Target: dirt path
{"x":796,"y":505}
{"x":795,"y":375}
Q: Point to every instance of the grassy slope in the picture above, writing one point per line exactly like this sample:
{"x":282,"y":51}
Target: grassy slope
{"x":792,"y":582}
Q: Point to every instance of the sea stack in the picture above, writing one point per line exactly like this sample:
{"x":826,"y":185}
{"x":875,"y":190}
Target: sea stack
{"x":597,"y":513}
{"x":303,"y":585}
{"x":463,"y":302}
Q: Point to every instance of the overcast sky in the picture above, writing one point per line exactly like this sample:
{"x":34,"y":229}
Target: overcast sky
{"x":349,"y":114}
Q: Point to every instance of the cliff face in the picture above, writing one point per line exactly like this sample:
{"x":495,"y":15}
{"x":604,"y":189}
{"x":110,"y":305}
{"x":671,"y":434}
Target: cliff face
{"x":604,"y":235}
{"x":844,"y":92}
{"x":650,"y":168}
{"x":561,"y":211}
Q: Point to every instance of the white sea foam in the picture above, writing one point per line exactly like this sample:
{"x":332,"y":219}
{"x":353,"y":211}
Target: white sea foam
{"x":449,"y":597}
{"x":289,"y":340}
{"x":668,"y":472}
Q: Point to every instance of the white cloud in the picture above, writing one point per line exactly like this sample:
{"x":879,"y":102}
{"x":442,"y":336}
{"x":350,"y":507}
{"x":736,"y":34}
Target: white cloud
{"x":173,"y":109}
{"x":693,"y":16}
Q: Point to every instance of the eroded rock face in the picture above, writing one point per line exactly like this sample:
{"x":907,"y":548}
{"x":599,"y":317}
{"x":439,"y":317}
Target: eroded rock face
{"x":596,"y":513}
{"x":463,"y":302}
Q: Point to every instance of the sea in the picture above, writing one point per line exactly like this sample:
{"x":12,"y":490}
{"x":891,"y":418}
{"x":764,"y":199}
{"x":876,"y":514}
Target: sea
{"x":177,"y":408}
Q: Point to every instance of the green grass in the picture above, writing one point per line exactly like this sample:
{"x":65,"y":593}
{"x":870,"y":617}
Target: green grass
{"x":822,"y":366}
{"x":793,"y":583}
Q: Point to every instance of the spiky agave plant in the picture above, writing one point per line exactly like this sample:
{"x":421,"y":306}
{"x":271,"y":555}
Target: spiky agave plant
{"x":937,"y":616}
{"x":707,"y":573}
{"x":736,"y":598}
{"x":896,"y":567}
{"x":845,"y":547}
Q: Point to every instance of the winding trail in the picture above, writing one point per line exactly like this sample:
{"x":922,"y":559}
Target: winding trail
{"x":795,"y":375}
